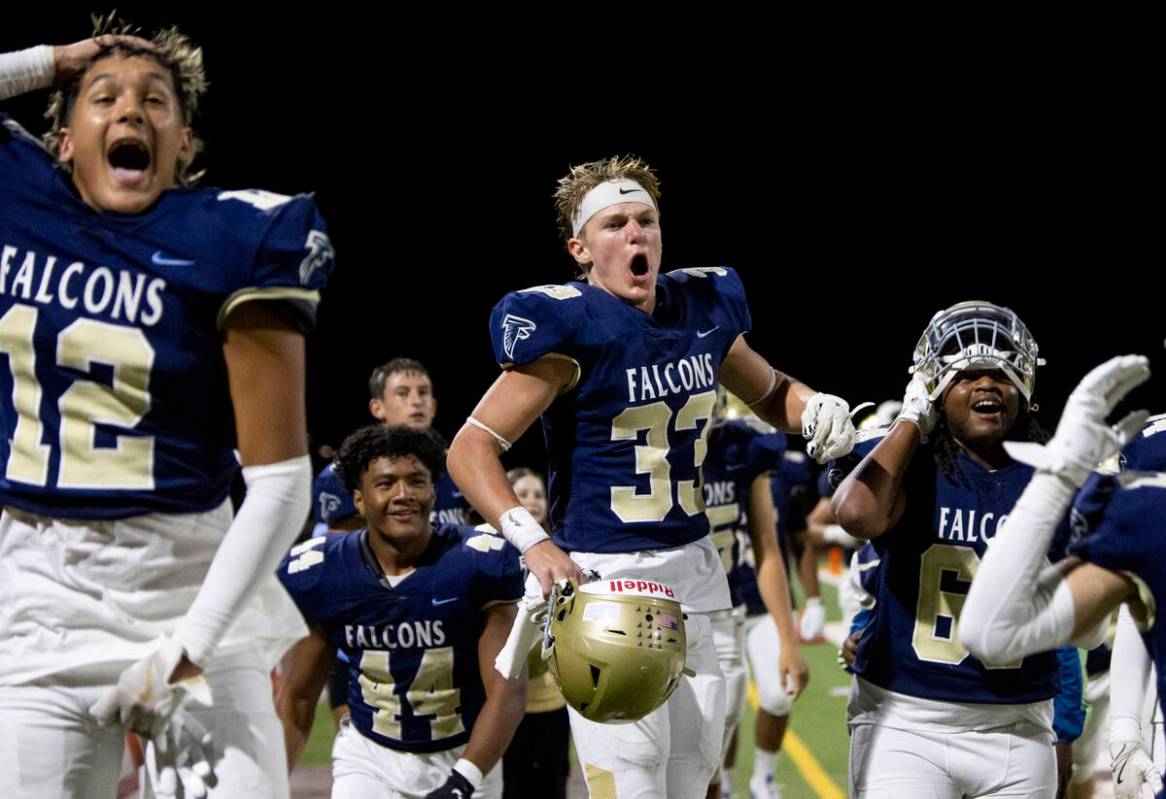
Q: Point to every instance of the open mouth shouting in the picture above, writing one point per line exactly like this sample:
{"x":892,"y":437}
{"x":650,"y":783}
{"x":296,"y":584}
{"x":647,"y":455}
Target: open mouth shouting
{"x":639,"y":266}
{"x":129,"y":163}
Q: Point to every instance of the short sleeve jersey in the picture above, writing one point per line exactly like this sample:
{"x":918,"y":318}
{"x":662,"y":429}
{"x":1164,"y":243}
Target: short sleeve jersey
{"x":739,"y":452}
{"x":414,"y":682}
{"x":626,"y":441}
{"x":926,"y":565}
{"x":113,"y":389}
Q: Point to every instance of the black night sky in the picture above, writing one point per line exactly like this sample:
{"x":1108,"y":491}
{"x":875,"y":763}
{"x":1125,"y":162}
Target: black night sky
{"x":855,"y":198}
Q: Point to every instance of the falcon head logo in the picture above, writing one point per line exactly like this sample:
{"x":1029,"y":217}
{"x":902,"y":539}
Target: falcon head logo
{"x":320,"y":254}
{"x":514,"y":330}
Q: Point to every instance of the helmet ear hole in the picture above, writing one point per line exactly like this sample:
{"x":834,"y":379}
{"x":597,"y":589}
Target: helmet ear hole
{"x":617,"y":656}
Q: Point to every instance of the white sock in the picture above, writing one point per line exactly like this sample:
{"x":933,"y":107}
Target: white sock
{"x":763,"y":764}
{"x":726,"y":782}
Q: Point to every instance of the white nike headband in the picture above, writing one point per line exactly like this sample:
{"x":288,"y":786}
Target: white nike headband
{"x":606,"y":195}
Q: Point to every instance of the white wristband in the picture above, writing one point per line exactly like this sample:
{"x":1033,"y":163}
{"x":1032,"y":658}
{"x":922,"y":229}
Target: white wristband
{"x":521,"y":530}
{"x":472,"y":773}
{"x":26,"y":70}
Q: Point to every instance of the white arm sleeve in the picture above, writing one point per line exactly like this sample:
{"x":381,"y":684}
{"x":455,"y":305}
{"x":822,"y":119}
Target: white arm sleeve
{"x":26,"y":70}
{"x":277,"y":502}
{"x":1129,"y":670}
{"x":1018,"y":604}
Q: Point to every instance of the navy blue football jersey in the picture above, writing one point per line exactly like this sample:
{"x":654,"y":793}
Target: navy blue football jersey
{"x":414,"y":681}
{"x":627,"y":440}
{"x":794,"y":493}
{"x":332,"y":503}
{"x":926,"y":565}
{"x":113,"y":390}
{"x":1128,"y":540}
{"x":739,"y":451}
{"x":1145,"y":452}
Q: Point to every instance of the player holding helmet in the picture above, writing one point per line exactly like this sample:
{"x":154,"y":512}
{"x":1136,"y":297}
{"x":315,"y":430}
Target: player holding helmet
{"x":623,"y":368}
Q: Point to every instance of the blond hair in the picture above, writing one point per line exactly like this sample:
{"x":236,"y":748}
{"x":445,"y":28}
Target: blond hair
{"x":171,"y":48}
{"x":573,"y":187}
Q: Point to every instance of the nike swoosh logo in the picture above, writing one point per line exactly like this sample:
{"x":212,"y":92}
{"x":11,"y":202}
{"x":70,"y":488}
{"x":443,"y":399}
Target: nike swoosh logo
{"x":161,"y":260}
{"x":628,"y":191}
{"x":456,"y":494}
{"x":437,"y":602}
{"x":707,"y":332}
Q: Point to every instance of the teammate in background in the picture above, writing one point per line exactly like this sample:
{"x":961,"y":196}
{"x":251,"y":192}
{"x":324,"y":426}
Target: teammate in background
{"x":400,"y":393}
{"x":1117,"y":555}
{"x":421,"y":612}
{"x":623,"y":368}
{"x":536,"y":764}
{"x":148,"y":328}
{"x":742,"y":454}
{"x":926,"y":717}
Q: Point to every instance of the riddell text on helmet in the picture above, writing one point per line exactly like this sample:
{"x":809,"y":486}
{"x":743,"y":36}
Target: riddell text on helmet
{"x":642,"y":587}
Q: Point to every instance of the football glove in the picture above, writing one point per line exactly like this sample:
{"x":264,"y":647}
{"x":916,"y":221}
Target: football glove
{"x":456,"y":787}
{"x":1083,"y":438}
{"x":1132,"y":769}
{"x":179,"y":760}
{"x":144,"y":699}
{"x":827,"y":427}
{"x":813,"y":620}
{"x":917,"y":408}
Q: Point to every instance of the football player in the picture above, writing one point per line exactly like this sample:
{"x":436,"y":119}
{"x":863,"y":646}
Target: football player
{"x":623,"y":367}
{"x":400,"y":392}
{"x":148,"y":329}
{"x":1117,"y":558}
{"x":927,"y":718}
{"x":743,"y":453}
{"x":420,"y":611}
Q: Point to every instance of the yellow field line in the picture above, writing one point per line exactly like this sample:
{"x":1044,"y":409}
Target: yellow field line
{"x":809,"y":767}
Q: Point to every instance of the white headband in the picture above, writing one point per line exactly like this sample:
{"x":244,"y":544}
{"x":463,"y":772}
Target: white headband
{"x":606,"y":195}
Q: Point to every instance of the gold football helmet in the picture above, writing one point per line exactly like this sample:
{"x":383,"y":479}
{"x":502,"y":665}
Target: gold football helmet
{"x":616,"y":647}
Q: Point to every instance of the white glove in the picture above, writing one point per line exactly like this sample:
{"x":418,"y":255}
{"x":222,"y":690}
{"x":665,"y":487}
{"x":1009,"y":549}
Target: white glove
{"x":179,"y":760}
{"x":144,"y":699}
{"x":917,"y":408}
{"x":525,"y":632}
{"x":813,"y":620}
{"x":1083,"y":439}
{"x":1132,"y":766}
{"x":529,"y":626}
{"x":827,"y":426}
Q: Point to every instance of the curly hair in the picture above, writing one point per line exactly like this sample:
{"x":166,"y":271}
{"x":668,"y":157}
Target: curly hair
{"x":170,"y":48}
{"x":573,"y":187}
{"x":375,"y":441}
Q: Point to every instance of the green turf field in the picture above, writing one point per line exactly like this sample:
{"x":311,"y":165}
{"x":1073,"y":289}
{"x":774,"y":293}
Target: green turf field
{"x":817,"y":720}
